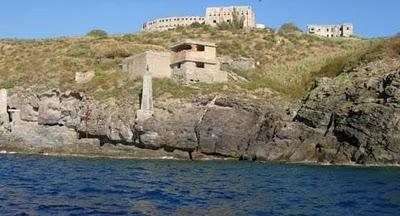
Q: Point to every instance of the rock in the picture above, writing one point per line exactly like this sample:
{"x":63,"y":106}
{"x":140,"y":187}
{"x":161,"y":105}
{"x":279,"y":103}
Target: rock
{"x":241,"y":63}
{"x":49,"y":108}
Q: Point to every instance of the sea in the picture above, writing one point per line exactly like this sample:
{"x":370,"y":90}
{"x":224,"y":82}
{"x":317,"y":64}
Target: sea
{"x":46,"y":185}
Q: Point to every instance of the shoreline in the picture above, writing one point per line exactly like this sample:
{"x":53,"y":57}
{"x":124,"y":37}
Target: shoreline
{"x":169,"y":158}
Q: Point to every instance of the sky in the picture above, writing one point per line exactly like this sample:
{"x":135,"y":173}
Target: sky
{"x":54,"y":18}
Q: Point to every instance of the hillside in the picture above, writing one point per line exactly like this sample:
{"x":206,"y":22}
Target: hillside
{"x":288,"y":61}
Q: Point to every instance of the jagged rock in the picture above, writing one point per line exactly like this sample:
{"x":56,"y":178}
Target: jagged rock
{"x":49,"y":108}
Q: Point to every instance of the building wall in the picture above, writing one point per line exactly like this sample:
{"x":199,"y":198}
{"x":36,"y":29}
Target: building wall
{"x":170,"y":22}
{"x":190,"y":73}
{"x":335,"y":30}
{"x":158,"y":63}
{"x":208,"y":55}
{"x":215,"y":15}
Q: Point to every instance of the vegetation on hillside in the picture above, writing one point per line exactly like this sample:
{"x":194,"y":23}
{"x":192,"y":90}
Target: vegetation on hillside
{"x":97,"y":33}
{"x":288,"y":61}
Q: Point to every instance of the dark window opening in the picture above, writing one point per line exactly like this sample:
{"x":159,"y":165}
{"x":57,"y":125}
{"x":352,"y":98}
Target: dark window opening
{"x":200,"y":48}
{"x":200,"y":65}
{"x":215,"y":21}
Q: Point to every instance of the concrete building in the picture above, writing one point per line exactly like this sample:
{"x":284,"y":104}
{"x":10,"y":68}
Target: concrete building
{"x":196,"y":61}
{"x":166,"y":23}
{"x":189,"y":61}
{"x":157,"y":61}
{"x":331,"y":30}
{"x":213,"y":16}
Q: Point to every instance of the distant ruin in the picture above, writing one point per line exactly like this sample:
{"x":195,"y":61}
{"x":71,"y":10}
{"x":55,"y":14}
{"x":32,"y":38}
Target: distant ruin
{"x":189,"y":61}
{"x":331,"y":30}
{"x":213,"y":16}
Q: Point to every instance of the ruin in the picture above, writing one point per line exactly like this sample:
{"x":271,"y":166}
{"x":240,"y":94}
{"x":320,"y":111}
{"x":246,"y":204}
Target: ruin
{"x":213,"y":16}
{"x":188,"y":61}
{"x":158,"y":61}
{"x":196,"y":61}
{"x":146,"y":103}
{"x":331,"y":30}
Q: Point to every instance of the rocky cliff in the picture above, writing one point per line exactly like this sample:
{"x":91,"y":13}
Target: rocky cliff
{"x":350,"y":119}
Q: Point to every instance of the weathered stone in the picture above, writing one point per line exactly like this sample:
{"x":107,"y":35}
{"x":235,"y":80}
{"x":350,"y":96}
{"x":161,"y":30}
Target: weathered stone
{"x":49,"y":109}
{"x":146,"y":106}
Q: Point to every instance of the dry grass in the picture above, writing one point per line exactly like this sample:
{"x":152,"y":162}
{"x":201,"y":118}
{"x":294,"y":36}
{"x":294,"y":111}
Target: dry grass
{"x":288,"y":61}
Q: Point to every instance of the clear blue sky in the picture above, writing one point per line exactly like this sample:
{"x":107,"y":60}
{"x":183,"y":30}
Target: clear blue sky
{"x":53,"y":18}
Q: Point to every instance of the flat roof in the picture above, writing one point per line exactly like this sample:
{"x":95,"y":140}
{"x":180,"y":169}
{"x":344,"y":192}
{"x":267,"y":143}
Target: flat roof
{"x":193,"y":42}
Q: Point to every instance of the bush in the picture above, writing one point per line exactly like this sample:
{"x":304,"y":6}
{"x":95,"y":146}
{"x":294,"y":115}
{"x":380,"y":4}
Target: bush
{"x":289,"y":28}
{"x":237,"y":22}
{"x":97,"y":33}
{"x":196,"y":25}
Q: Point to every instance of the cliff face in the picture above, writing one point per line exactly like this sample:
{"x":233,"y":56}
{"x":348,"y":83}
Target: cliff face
{"x":353,"y":118}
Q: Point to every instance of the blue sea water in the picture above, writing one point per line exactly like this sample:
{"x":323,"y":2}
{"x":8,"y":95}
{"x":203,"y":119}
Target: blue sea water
{"x":38,"y":185}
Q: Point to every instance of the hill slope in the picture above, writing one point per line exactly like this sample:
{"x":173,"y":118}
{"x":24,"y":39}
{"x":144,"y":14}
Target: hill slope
{"x":288,"y":61}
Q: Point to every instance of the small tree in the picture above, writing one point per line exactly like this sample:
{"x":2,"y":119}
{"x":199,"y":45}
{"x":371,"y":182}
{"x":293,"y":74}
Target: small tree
{"x":97,"y":33}
{"x":289,"y":28}
{"x":237,"y":22}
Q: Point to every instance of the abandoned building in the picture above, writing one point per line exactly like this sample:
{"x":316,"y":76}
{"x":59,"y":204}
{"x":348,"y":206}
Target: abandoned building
{"x":331,"y":30}
{"x":213,"y":16}
{"x":196,"y":61}
{"x":157,"y":61}
{"x":188,"y":61}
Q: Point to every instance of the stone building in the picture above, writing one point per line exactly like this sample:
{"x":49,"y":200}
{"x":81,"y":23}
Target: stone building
{"x":331,"y":30}
{"x":213,"y":16}
{"x":196,"y":61}
{"x":188,"y":61}
{"x":166,"y":23}
{"x":157,"y":61}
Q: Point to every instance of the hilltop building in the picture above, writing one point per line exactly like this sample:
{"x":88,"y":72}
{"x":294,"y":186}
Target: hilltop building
{"x":213,"y":16}
{"x":331,"y":30}
{"x":188,"y":61}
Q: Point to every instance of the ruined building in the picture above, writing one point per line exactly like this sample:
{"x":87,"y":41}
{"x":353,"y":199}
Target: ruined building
{"x":213,"y":16}
{"x":331,"y":30}
{"x":188,"y":61}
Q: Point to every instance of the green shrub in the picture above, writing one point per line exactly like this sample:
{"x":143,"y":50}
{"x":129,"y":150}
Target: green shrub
{"x":97,"y":33}
{"x":289,"y":28}
{"x":237,"y":22}
{"x":98,"y":72}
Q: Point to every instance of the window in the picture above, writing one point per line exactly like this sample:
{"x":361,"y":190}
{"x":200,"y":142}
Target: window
{"x":215,"y":21}
{"x":327,"y":30}
{"x":200,"y":48}
{"x":228,"y":20}
{"x":348,"y":28}
{"x":200,"y":65}
{"x":178,"y":65}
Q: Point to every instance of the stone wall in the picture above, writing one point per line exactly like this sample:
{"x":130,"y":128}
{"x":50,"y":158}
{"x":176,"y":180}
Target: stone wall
{"x":215,"y":15}
{"x":170,"y":22}
{"x":190,"y":73}
{"x":158,"y":63}
{"x":331,"y":30}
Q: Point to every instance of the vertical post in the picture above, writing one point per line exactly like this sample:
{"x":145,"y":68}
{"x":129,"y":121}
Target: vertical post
{"x":147,"y":92}
{"x":87,"y":116}
{"x":146,"y":106}
{"x":3,"y":101}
